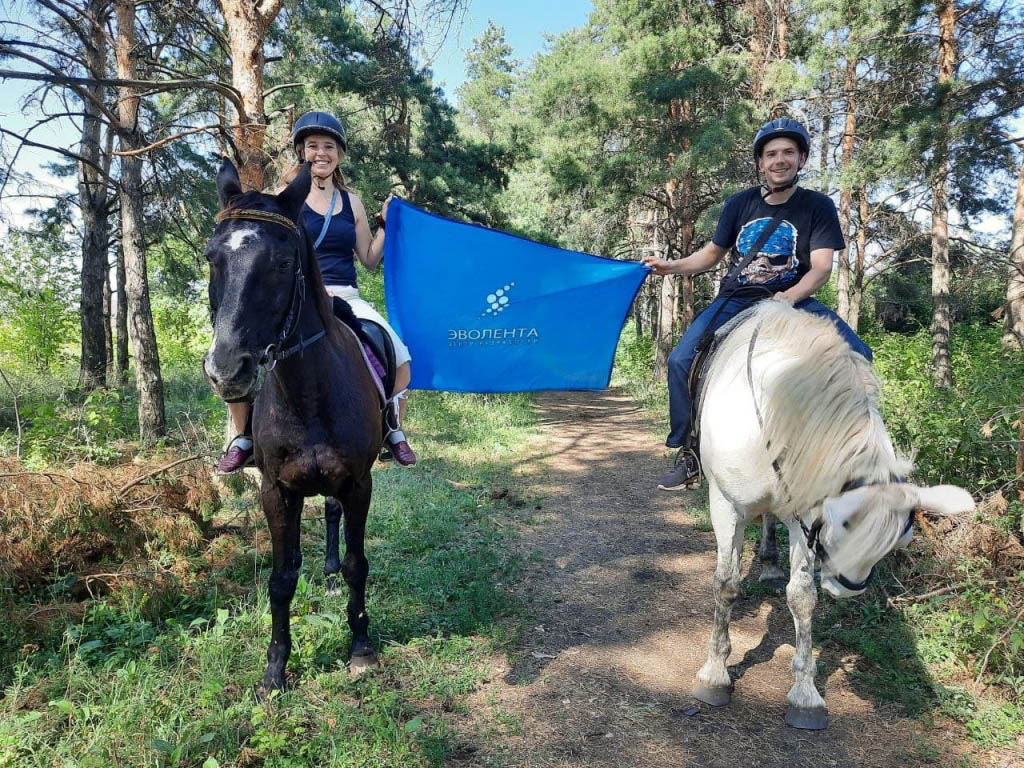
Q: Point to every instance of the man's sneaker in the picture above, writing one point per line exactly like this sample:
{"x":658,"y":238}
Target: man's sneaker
{"x":236,"y":457}
{"x":685,"y":473}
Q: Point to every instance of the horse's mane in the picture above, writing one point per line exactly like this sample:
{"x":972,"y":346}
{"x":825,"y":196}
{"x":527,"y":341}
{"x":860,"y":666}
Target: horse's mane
{"x":818,"y":400}
{"x":310,"y":265}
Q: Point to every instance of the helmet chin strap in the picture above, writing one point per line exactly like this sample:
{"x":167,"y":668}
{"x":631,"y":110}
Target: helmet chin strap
{"x":773,"y":190}
{"x":318,"y":180}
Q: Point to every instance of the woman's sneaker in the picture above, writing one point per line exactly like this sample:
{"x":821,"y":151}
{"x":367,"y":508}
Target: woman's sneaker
{"x":685,"y":472}
{"x":238,"y":456}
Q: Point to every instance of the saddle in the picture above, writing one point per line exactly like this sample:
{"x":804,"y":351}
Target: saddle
{"x":376,"y":340}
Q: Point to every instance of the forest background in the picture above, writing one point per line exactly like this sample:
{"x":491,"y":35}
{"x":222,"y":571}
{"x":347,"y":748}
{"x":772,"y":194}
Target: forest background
{"x":623,"y":138}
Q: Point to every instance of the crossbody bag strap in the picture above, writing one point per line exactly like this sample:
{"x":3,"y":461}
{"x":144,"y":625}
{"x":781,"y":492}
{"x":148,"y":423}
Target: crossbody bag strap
{"x":327,"y":220}
{"x":732,"y":279}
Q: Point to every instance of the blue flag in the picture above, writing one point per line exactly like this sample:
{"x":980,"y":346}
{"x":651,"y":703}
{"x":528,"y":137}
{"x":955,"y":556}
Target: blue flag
{"x":485,"y":311}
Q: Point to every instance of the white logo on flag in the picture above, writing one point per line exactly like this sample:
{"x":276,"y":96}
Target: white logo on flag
{"x":498,"y":301}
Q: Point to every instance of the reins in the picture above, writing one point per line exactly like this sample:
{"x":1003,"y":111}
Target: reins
{"x":273,"y":353}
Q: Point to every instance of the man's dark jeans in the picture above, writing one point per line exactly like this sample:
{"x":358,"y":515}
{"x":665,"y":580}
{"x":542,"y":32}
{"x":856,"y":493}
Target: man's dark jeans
{"x":721,"y":311}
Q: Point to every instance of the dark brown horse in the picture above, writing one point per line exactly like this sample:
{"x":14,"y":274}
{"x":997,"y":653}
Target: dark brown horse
{"x":316,"y":413}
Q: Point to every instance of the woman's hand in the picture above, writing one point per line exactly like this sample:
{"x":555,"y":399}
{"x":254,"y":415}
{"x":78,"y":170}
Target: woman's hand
{"x":384,"y":208}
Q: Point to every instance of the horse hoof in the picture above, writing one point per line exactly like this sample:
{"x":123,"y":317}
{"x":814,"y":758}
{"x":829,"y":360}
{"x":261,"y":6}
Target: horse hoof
{"x":715,"y":695}
{"x":262,"y":690}
{"x":332,"y":586}
{"x":362,"y":661}
{"x":772,"y":577}
{"x":813,"y":719}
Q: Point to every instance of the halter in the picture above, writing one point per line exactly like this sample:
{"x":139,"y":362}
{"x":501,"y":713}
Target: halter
{"x":271,"y":355}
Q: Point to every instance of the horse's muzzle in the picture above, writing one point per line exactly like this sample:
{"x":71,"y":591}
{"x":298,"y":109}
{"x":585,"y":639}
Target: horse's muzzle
{"x":238,"y":378}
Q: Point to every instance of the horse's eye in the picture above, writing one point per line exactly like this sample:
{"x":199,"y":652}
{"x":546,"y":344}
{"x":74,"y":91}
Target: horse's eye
{"x":286,"y":264}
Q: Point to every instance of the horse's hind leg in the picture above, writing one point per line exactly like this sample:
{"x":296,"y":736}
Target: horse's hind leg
{"x":769,"y":551}
{"x":355,"y":568}
{"x":283,"y":510}
{"x":714,"y":686}
{"x":805,"y":707}
{"x":332,"y":560}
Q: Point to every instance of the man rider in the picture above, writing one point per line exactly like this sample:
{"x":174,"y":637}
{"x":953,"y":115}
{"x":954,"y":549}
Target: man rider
{"x":790,"y":265}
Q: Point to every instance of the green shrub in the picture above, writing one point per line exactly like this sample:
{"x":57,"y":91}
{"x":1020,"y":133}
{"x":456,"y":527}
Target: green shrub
{"x":37,"y":301}
{"x":963,"y":435}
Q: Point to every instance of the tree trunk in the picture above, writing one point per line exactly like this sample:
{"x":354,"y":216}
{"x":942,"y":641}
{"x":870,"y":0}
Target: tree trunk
{"x":845,"y":195}
{"x":121,"y":318}
{"x":687,"y":227}
{"x":92,"y":200}
{"x":152,"y":422}
{"x":826,"y":128}
{"x":1013,"y":319}
{"x":857,"y":292}
{"x":108,"y":337}
{"x":782,"y":28}
{"x":247,"y":24}
{"x":759,"y":43}
{"x":1020,"y":453}
{"x":942,"y":370}
{"x":667,"y":311}
{"x":667,"y":308}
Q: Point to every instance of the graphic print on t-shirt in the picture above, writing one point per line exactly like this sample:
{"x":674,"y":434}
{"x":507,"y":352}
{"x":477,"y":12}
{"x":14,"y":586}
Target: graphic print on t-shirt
{"x":777,"y":260}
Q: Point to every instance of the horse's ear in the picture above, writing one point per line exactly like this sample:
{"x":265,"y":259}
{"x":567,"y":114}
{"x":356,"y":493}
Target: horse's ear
{"x":945,"y":500}
{"x":294,"y":195}
{"x":228,"y":183}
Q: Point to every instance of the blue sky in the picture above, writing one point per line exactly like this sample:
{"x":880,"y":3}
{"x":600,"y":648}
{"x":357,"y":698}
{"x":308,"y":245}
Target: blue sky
{"x":526,"y":23}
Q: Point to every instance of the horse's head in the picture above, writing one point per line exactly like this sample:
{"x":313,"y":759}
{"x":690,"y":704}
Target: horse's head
{"x":255,"y":279}
{"x":861,"y":526}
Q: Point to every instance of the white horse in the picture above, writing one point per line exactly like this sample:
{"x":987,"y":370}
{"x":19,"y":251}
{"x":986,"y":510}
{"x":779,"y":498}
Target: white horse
{"x":789,"y":427}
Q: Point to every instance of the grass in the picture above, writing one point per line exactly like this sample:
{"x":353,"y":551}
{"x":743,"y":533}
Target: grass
{"x":166,"y":680}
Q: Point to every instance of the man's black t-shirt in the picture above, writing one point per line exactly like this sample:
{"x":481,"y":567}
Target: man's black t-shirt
{"x":809,"y":222}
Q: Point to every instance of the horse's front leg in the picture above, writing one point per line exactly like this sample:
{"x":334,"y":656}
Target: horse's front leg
{"x":355,"y":568}
{"x":332,"y":559}
{"x":714,"y":686}
{"x":769,"y":551}
{"x":805,"y":706}
{"x":283,"y":510}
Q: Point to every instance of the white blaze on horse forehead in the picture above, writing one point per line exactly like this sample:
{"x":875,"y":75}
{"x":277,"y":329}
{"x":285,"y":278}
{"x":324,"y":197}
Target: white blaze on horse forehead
{"x":239,"y":236}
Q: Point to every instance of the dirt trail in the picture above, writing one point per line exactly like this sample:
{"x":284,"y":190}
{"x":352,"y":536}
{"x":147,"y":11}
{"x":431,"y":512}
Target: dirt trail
{"x":622,"y":590}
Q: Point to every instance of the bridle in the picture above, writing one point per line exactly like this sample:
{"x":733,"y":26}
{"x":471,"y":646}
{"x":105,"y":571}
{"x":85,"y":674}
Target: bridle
{"x":813,"y":536}
{"x":273,"y":353}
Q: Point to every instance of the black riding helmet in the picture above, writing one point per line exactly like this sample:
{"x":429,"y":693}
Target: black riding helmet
{"x":318,"y":122}
{"x":782,"y":128}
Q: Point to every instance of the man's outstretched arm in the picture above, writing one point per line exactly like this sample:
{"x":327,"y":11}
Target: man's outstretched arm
{"x":700,"y":261}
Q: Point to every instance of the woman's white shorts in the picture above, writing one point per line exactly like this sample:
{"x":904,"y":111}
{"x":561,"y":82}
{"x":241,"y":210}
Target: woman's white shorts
{"x":364,"y":309}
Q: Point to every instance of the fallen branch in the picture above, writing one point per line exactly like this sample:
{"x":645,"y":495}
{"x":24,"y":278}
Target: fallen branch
{"x":984,"y":661}
{"x":926,"y":595}
{"x":48,"y":475}
{"x":147,"y":475}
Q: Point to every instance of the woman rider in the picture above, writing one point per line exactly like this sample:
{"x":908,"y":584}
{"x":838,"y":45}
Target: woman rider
{"x":319,"y":139}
